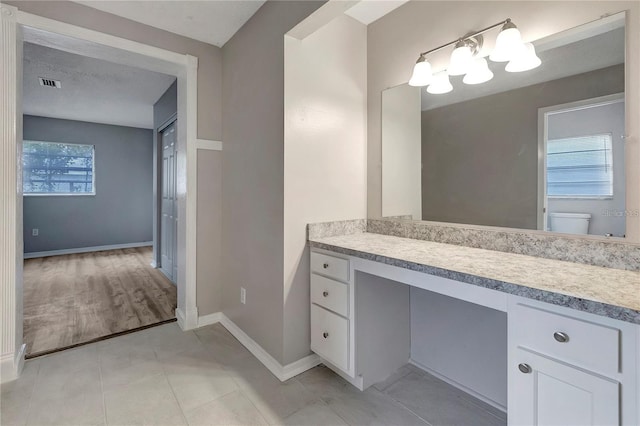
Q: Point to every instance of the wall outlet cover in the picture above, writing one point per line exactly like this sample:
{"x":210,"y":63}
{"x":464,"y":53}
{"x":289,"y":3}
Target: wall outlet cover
{"x":35,"y":232}
{"x":243,"y":295}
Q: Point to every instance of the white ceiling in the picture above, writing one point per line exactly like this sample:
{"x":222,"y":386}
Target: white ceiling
{"x":368,"y":11}
{"x":213,"y":22}
{"x":92,"y":90}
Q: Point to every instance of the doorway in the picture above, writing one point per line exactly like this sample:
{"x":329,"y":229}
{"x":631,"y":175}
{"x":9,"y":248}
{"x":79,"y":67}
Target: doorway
{"x":18,"y":26}
{"x":88,"y":186}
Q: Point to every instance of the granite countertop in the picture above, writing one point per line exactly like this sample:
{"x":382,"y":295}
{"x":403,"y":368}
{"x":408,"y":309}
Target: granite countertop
{"x":602,"y":291}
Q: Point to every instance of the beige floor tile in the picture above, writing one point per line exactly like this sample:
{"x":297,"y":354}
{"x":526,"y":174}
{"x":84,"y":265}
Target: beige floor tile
{"x":16,"y":395}
{"x":196,"y":378}
{"x":14,"y":407}
{"x":169,"y":340}
{"x":315,"y":414}
{"x":232,"y":409}
{"x":70,"y":360}
{"x":149,"y":401}
{"x":439,"y":403}
{"x":77,"y":409}
{"x":397,"y":375}
{"x":279,"y":401}
{"x":372,"y":408}
{"x":166,"y":376}
{"x":114,"y":376}
{"x":60,"y":383}
{"x":225,"y":348}
{"x":322,"y":381}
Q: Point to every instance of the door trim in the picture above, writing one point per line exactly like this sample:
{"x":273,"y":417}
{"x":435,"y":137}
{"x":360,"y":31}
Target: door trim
{"x":543,"y":125}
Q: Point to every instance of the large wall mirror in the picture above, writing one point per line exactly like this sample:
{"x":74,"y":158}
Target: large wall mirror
{"x":542,"y":149}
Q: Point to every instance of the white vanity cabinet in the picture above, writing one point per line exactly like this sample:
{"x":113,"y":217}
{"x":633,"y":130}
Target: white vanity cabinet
{"x":567,"y":367}
{"x":330,"y":310}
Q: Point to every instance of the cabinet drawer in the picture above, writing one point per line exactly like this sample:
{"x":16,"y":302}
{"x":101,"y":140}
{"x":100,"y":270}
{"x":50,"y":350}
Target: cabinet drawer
{"x":330,"y":294}
{"x":330,"y":337}
{"x":330,"y":266}
{"x":586,"y":344}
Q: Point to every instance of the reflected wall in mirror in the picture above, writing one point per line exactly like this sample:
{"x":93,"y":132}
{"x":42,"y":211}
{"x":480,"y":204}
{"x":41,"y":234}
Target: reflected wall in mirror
{"x":541,"y":149}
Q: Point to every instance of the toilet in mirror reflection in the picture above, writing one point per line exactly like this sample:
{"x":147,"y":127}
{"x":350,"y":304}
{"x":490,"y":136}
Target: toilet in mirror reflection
{"x":540,"y":150}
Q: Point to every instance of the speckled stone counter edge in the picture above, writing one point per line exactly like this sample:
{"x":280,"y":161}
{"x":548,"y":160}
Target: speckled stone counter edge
{"x":608,"y":254}
{"x":593,"y":307}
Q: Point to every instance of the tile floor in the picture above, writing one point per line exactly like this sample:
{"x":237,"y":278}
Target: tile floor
{"x":164,"y":376}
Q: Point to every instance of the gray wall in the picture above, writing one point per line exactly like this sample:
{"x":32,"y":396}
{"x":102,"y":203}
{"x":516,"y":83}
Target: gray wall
{"x":480,"y":157}
{"x":593,"y":121}
{"x":121,"y":210}
{"x":166,"y":106}
{"x":253,"y":171}
{"x":468,"y":345}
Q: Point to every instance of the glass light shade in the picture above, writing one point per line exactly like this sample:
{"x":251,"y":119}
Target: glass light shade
{"x":525,"y":60}
{"x":440,"y":84}
{"x":461,"y":59}
{"x":478,"y":73}
{"x":508,"y":44}
{"x":421,"y":73}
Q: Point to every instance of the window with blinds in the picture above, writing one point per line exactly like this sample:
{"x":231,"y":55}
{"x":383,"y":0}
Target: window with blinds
{"x":580,"y":167}
{"x":51,"y":168}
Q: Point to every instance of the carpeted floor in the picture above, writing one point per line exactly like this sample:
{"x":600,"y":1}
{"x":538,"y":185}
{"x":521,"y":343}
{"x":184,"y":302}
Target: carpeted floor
{"x":79,"y":298}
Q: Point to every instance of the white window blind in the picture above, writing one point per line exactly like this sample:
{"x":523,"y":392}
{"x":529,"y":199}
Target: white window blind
{"x":580,"y":167}
{"x":51,"y":168}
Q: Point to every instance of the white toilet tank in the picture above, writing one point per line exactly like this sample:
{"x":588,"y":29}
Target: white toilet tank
{"x":570,"y":223}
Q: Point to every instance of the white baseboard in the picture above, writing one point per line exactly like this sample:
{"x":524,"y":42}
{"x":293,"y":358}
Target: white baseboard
{"x":180,"y":317}
{"x":85,"y":249}
{"x":11,"y":365}
{"x":209,"y":319}
{"x":459,"y":386}
{"x":282,"y":372}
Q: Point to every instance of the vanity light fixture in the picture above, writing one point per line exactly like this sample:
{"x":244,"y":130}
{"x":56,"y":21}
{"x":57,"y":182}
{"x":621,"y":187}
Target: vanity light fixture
{"x":466,"y":60}
{"x":440,"y":84}
{"x":525,"y":60}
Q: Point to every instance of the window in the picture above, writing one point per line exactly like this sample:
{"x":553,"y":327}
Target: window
{"x":580,"y":167}
{"x":51,"y":168}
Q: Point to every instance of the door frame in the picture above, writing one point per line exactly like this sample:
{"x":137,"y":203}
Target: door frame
{"x":543,"y":127}
{"x":13,"y":25}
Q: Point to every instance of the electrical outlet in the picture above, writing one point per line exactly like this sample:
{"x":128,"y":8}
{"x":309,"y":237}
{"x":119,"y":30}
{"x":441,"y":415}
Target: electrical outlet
{"x":243,"y":295}
{"x":35,"y":232}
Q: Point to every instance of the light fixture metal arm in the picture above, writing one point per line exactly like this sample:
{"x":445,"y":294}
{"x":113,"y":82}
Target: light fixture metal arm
{"x":474,"y":34}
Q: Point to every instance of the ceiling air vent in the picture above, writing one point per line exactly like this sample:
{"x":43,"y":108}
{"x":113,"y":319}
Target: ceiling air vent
{"x":49,"y":82}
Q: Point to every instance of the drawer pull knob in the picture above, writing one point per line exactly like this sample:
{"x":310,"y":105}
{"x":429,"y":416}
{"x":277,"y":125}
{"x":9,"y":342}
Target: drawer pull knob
{"x":525,"y":368}
{"x":325,"y":266}
{"x":325,"y":334}
{"x":325,"y":293}
{"x":561,"y":337}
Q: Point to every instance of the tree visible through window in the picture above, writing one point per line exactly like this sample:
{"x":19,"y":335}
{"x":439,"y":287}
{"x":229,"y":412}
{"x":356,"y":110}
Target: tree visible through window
{"x":57,"y":168}
{"x":580,"y":167}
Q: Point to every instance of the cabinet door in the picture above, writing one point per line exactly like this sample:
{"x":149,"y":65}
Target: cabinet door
{"x":552,"y":393}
